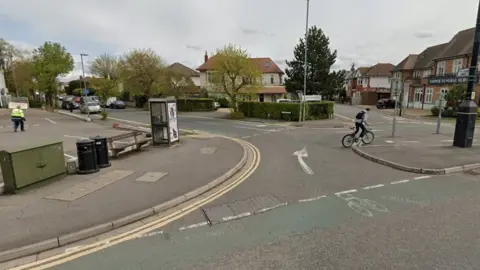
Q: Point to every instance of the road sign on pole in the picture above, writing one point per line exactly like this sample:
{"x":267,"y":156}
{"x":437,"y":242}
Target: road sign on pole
{"x":85,"y":91}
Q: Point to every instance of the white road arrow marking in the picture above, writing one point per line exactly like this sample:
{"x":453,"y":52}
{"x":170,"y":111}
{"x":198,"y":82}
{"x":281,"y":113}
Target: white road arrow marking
{"x":300,"y":155}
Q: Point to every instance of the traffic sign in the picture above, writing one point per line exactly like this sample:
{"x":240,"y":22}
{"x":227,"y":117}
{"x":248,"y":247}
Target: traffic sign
{"x":85,"y":91}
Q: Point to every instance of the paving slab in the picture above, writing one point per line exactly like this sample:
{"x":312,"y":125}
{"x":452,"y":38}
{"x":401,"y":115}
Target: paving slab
{"x":83,"y":201}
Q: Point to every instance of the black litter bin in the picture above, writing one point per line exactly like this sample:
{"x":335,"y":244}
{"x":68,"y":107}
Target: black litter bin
{"x":101,"y":149}
{"x":87,"y":158}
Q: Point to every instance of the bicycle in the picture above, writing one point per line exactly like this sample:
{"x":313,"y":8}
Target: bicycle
{"x":363,"y":206}
{"x":349,"y":139}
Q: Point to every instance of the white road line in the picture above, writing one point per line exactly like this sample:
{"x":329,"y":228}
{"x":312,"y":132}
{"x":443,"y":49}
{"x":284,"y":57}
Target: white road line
{"x":311,"y":199}
{"x":422,"y":177}
{"x":245,"y":137}
{"x":400,"y":182}
{"x":377,"y":130}
{"x":50,"y":120}
{"x":271,"y":208}
{"x":69,"y":156}
{"x":346,"y":191}
{"x":75,"y":137}
{"x":246,"y":214}
{"x":375,"y":186}
{"x":447,"y":141}
{"x":411,"y":141}
{"x":196,"y":225}
{"x":252,"y":128}
{"x":388,"y":141}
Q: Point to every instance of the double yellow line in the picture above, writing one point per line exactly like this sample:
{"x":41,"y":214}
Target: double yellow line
{"x":85,"y":250}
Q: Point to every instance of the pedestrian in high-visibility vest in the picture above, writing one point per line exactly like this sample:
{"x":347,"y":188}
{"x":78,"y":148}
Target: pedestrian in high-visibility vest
{"x":18,"y":118}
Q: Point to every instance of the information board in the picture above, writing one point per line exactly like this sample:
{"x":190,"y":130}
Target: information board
{"x":172,"y":121}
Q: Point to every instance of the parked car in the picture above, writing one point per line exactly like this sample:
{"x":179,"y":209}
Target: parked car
{"x":117,"y":104}
{"x":91,"y":106}
{"x":70,"y":102}
{"x":385,"y":103}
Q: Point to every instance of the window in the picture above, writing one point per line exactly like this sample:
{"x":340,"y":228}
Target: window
{"x":416,"y":74}
{"x":441,"y":68}
{"x":457,"y":65}
{"x":418,"y":95}
{"x":427,"y":73}
{"x":359,"y":81}
{"x":281,"y":82}
{"x":210,"y":77}
{"x":272,"y":79}
{"x":428,"y":95}
{"x":443,"y":92}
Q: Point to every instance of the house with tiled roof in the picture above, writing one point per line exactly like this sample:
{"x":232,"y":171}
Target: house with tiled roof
{"x":272,"y":78}
{"x":186,"y":71}
{"x":437,"y":70}
{"x":371,"y":84}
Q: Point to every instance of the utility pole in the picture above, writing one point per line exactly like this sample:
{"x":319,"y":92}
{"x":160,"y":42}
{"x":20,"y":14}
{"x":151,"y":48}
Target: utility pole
{"x":305,"y":64}
{"x":394,"y":122}
{"x":467,"y":111}
{"x":84,"y":81}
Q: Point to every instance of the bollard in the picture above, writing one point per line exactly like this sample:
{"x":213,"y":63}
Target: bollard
{"x":101,"y":150}
{"x":87,"y":158}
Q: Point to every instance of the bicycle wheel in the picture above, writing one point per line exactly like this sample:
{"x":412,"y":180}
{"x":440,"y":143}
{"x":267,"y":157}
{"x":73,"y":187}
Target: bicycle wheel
{"x":359,"y":209}
{"x":374,"y":206}
{"x":368,"y":137}
{"x":347,"y":140}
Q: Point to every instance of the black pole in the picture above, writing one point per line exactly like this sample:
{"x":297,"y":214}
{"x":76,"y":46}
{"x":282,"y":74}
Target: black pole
{"x":467,"y":111}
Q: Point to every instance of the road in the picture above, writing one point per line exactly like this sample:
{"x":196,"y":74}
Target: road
{"x":329,"y":209}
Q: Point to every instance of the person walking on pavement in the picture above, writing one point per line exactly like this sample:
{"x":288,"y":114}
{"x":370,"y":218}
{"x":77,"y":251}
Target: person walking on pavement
{"x":18,"y":118}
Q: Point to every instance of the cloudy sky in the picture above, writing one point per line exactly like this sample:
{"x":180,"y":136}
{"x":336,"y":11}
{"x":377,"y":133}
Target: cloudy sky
{"x":363,"y":31}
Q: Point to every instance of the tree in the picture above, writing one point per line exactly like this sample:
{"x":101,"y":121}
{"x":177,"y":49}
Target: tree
{"x":13,"y":60}
{"x":234,"y":74}
{"x":141,"y":70}
{"x":456,"y":95}
{"x":335,"y":84}
{"x":104,"y":88}
{"x":22,"y":74}
{"x":50,"y":61}
{"x":105,"y":66}
{"x":320,"y":59}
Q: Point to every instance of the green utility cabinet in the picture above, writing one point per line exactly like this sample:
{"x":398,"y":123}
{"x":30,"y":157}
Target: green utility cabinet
{"x":23,"y":166}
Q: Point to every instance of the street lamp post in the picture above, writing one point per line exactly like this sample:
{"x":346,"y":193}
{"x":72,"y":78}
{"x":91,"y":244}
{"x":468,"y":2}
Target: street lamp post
{"x":467,"y":111}
{"x":84,"y":81}
{"x":305,"y":63}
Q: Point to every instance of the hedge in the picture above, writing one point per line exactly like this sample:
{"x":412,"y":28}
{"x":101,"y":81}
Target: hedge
{"x":315,"y":110}
{"x":34,"y":103}
{"x":195,"y":104}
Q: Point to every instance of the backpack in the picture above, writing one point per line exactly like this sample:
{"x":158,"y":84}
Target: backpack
{"x":360,"y":115}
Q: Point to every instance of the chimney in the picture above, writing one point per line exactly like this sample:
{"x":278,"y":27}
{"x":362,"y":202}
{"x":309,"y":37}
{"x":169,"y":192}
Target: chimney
{"x":206,"y":57}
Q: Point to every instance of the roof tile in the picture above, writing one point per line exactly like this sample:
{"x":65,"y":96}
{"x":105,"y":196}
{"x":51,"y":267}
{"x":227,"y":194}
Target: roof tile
{"x":265,"y":64}
{"x":380,"y":69}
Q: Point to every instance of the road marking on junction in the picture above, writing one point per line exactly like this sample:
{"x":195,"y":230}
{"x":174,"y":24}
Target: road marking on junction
{"x":50,"y":120}
{"x":246,"y":214}
{"x":75,"y":137}
{"x":245,"y":137}
{"x":388,"y":141}
{"x":312,"y":199}
{"x":375,"y":186}
{"x":411,"y":141}
{"x":346,"y":192}
{"x":196,"y":225}
{"x":422,"y":177}
{"x":300,"y":155}
{"x":271,"y":208}
{"x":400,"y":182}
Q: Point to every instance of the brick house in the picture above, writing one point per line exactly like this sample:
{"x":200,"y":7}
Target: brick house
{"x":272,"y":80}
{"x":436,"y":71}
{"x":402,"y":77}
{"x":355,"y":84}
{"x":371,"y":84}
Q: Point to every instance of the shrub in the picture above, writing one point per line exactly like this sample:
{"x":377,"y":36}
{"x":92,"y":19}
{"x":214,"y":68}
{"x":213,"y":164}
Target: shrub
{"x":478,"y":113}
{"x":319,"y":110}
{"x":104,"y":115}
{"x":224,"y":103}
{"x":236,"y":115}
{"x":434,"y":110}
{"x":449,"y":112}
{"x":314,"y":111}
{"x":195,"y":104}
{"x":34,"y":103}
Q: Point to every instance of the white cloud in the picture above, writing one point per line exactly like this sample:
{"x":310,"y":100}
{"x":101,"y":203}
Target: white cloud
{"x":364,"y":32}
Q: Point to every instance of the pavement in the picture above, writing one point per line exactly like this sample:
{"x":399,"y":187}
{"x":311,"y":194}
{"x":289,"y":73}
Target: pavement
{"x":312,"y":204}
{"x":135,"y":182}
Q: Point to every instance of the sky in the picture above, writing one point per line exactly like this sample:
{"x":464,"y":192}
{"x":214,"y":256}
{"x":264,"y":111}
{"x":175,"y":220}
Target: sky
{"x":363,"y":32}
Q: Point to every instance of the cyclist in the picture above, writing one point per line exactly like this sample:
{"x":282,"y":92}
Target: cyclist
{"x":360,"y":122}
